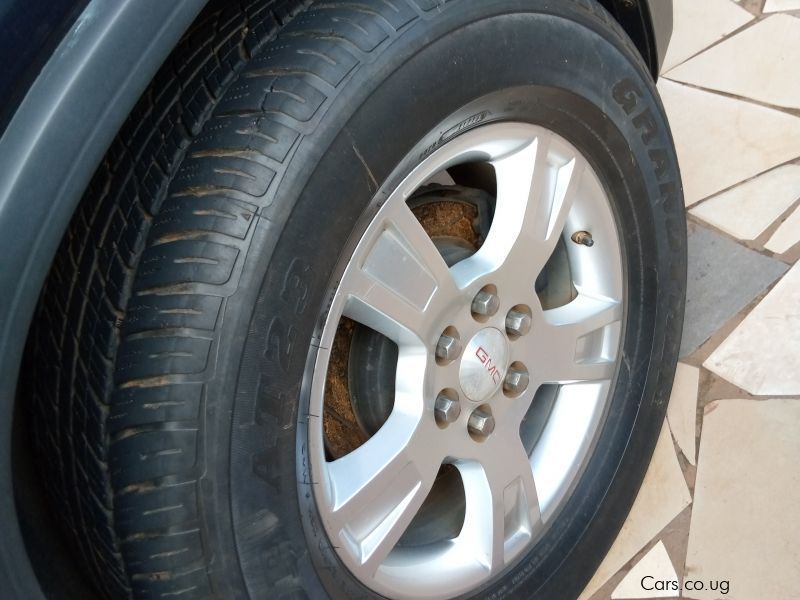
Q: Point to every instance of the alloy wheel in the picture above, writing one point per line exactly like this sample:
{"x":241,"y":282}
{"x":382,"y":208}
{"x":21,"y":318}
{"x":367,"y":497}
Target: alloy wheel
{"x":496,"y":387}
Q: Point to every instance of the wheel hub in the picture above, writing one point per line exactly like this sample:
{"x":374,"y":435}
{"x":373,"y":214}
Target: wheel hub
{"x":484,"y":364}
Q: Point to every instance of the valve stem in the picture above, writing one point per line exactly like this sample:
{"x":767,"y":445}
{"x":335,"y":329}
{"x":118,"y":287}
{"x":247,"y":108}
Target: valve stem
{"x":584,"y":238}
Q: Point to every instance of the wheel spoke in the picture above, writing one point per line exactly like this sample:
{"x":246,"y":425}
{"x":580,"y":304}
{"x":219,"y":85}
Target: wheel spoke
{"x":401,"y":280}
{"x":540,"y":202}
{"x":378,"y":488}
{"x":579,"y":347}
{"x":502,"y":507}
{"x":536,"y":188}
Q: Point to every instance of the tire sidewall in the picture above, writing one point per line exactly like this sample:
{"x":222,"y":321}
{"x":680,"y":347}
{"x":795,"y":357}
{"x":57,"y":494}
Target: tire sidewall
{"x":442,"y":79}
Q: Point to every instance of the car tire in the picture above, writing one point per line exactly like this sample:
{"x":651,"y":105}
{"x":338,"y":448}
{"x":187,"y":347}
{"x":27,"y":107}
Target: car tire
{"x":177,"y":353}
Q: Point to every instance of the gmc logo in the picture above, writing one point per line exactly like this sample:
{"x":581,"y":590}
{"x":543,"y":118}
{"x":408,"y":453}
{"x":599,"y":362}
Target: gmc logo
{"x":486,"y":361}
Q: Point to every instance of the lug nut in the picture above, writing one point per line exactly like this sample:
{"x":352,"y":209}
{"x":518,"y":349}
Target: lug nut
{"x":518,"y":323}
{"x":448,"y":347}
{"x":447,"y":410}
{"x":516,"y":381}
{"x":485,"y":303}
{"x":480,"y":423}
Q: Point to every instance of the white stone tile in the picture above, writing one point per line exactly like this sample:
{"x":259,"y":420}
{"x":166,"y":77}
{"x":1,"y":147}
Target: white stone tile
{"x":662,"y":497}
{"x":654,"y":570}
{"x":682,"y":411}
{"x":787,"y":235}
{"x":747,"y":210}
{"x":722,"y":141}
{"x":781,"y":5}
{"x":745,"y":524}
{"x":699,"y":23}
{"x":762,"y":355}
{"x":761,"y":63}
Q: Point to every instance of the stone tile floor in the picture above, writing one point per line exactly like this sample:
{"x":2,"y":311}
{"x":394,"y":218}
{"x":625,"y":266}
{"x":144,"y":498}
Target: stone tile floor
{"x":721,"y":501}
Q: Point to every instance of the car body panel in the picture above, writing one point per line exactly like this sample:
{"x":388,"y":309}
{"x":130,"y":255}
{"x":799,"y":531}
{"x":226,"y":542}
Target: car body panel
{"x":29,"y":32}
{"x":48,"y":152}
{"x":661,"y":20}
{"x":648,"y":23}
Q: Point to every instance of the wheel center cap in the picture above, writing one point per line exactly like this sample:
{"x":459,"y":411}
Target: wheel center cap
{"x":483,"y":364}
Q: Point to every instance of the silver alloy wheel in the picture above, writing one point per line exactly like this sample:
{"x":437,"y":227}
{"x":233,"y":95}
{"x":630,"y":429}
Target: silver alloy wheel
{"x":397,"y":283}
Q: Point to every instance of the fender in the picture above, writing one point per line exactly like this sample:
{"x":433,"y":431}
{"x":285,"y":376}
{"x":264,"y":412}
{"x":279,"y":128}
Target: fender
{"x":648,"y":23}
{"x":52,"y":145}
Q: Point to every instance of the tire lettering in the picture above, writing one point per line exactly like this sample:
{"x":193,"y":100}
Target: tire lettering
{"x":626,"y":94}
{"x":660,"y":161}
{"x":646,"y":124}
{"x":461,"y":127}
{"x":295,"y":289}
{"x":280,"y":343}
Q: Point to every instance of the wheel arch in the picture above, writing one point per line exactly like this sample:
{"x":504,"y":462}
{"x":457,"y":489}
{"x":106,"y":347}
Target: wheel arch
{"x":648,"y":23}
{"x":48,"y":152}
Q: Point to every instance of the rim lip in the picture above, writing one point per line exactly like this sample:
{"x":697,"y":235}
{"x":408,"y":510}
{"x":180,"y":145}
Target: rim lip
{"x":396,"y":584}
